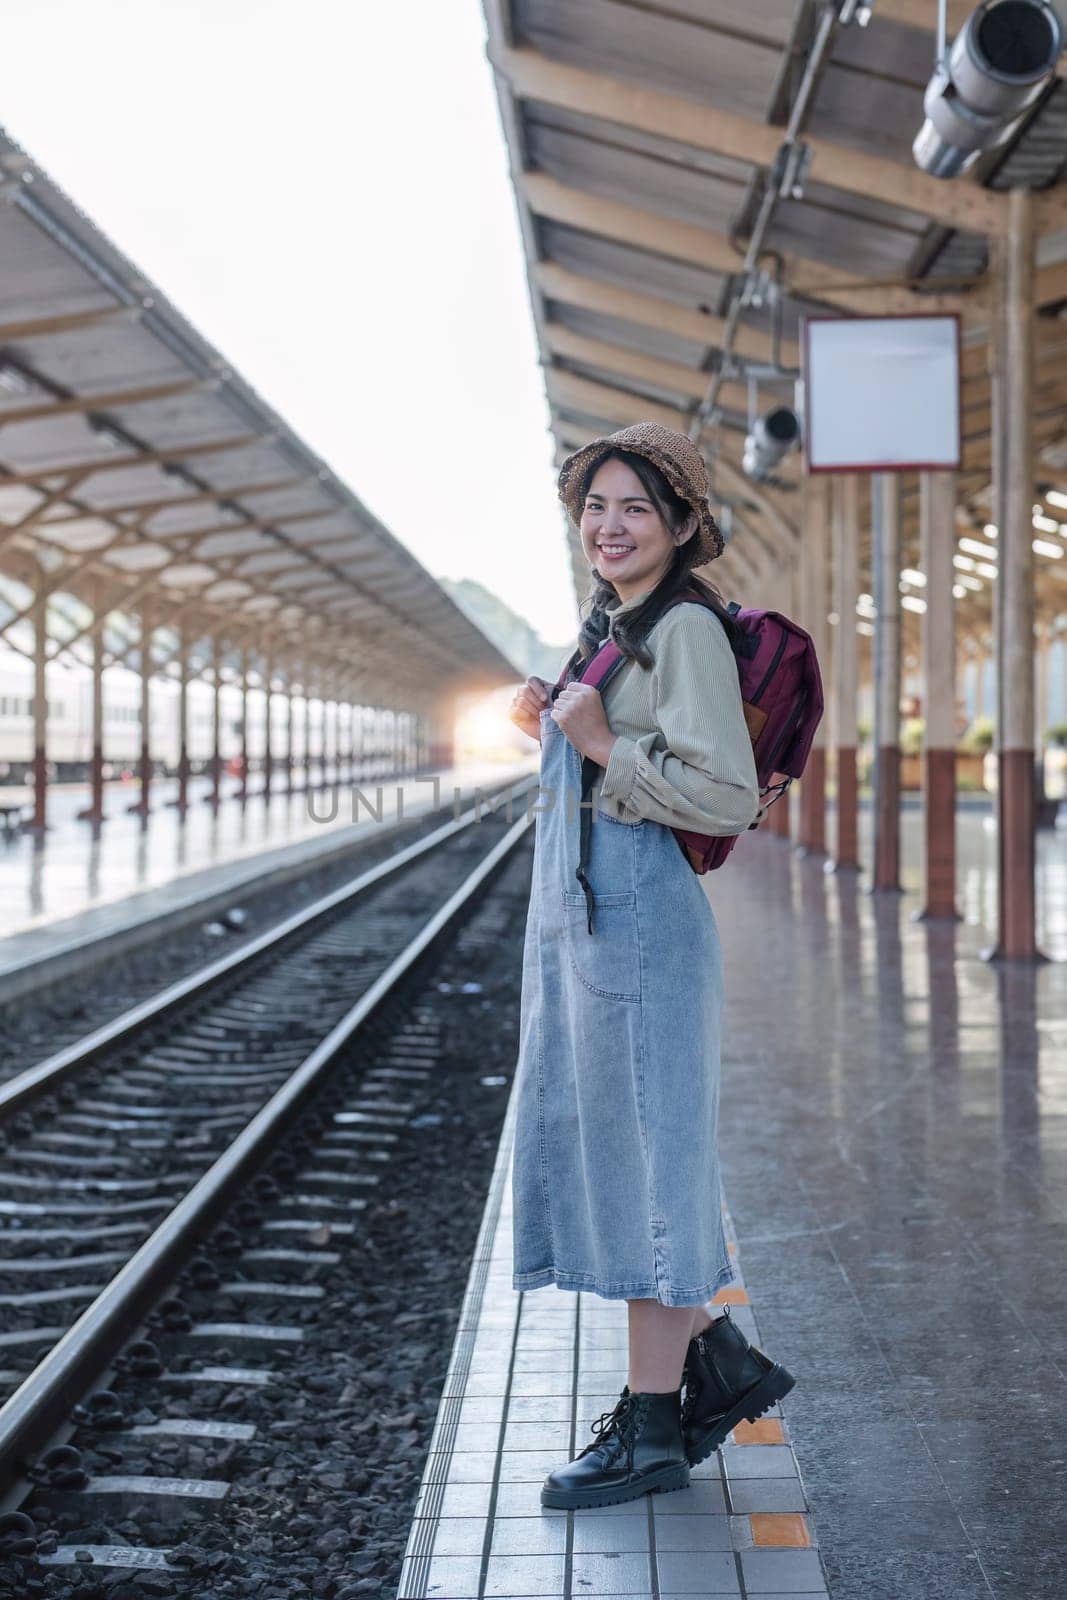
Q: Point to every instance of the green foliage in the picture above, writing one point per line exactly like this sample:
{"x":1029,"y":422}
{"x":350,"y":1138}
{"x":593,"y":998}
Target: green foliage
{"x":978,"y":737}
{"x":911,"y":736}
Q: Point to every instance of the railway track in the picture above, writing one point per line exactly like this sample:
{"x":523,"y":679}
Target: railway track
{"x":52,"y":1002}
{"x":123,"y":1151}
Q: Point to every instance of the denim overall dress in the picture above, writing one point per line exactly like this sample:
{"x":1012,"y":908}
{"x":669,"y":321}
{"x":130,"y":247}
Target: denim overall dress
{"x":615,"y":1177}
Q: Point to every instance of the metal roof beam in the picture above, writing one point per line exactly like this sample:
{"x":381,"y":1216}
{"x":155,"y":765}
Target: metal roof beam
{"x":705,"y":127}
{"x":671,"y":375}
{"x":41,"y":477}
{"x":106,"y":402}
{"x":178,"y":502}
{"x":804,"y":278}
{"x":65,"y":322}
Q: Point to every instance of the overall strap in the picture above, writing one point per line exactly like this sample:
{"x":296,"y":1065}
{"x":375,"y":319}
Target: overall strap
{"x":597,"y":670}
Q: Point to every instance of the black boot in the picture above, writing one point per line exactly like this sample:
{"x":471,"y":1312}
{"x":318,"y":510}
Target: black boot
{"x":638,"y":1450}
{"x":727,"y":1381}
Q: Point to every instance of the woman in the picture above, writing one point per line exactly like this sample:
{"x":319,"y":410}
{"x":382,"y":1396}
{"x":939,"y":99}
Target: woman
{"x":615,"y":1176}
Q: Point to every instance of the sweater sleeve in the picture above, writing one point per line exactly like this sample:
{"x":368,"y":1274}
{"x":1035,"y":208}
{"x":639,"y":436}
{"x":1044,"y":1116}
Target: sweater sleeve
{"x":696,"y":769}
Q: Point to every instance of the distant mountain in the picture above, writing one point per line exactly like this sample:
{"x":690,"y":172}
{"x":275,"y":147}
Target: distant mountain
{"x":509,"y":632}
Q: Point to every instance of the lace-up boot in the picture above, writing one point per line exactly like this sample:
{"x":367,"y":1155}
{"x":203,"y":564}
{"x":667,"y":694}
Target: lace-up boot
{"x":638,"y":1449}
{"x":727,"y":1381}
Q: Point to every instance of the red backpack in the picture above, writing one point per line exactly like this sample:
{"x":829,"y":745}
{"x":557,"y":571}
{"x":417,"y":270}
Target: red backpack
{"x":782,"y":697}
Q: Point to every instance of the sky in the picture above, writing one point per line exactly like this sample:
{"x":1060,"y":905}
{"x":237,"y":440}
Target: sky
{"x":322,"y":189}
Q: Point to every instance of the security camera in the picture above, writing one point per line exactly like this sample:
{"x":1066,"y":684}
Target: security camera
{"x":996,"y":68}
{"x":773,"y":435}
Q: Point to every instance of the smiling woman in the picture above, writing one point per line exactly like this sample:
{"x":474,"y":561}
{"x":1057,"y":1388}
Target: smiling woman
{"x":615,"y":1176}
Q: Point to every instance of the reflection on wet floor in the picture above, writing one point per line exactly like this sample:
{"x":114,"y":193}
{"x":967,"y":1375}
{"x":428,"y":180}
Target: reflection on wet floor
{"x":895,"y":1159}
{"x":73,"y":866}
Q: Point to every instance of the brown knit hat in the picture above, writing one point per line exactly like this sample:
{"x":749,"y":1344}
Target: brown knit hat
{"x":676,"y":456}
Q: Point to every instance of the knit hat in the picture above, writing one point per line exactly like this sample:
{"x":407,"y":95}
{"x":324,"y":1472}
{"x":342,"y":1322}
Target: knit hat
{"x":676,"y":456}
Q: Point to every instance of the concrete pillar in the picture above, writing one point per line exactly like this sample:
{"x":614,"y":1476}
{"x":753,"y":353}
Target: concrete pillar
{"x":350,"y":738}
{"x":307,"y":727}
{"x":937,"y":543}
{"x":330,"y":735}
{"x":1042,"y":643}
{"x":216,"y":722}
{"x":183,"y":718}
{"x":289,"y":730}
{"x":144,"y":804}
{"x":1016,"y":806}
{"x":845,"y":664}
{"x":814,"y":559}
{"x":268,"y":751}
{"x":245,"y":751}
{"x":885,"y":570}
{"x":94,"y":811}
{"x":784,"y":597}
{"x":40,"y":713}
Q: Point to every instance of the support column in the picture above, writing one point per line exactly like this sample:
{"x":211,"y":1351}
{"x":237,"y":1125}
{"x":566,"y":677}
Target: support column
{"x":360,"y":740}
{"x":845,"y":664}
{"x":350,"y":713}
{"x":289,"y":730}
{"x":1016,"y":807}
{"x":814,"y":559}
{"x":268,"y":752}
{"x":937,"y":541}
{"x":885,"y":568}
{"x":785,"y":597}
{"x":39,"y":823}
{"x":144,"y":805}
{"x":243,"y":792}
{"x":183,"y":719}
{"x":216,"y":723}
{"x":307,"y":728}
{"x":94,"y":811}
{"x":1042,"y":644}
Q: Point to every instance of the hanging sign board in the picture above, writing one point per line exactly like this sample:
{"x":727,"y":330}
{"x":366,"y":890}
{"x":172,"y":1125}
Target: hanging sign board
{"x":882,"y":394}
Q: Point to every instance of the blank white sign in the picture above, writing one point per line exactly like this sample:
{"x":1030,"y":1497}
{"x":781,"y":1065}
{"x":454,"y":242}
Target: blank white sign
{"x":882,"y":393}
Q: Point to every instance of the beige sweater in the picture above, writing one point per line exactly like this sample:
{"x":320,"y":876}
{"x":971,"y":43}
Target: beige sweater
{"x":683,"y":755}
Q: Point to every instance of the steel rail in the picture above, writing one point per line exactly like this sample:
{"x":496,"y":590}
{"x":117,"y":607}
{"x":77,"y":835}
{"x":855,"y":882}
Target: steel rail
{"x":44,"y":1398}
{"x":32,"y":1084}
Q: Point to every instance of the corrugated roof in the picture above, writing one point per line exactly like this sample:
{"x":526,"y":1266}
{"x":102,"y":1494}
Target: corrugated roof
{"x":133,"y":456}
{"x":642,"y":134}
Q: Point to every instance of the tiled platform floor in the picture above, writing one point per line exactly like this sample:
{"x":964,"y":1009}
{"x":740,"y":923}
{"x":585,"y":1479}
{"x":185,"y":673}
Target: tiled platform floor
{"x":72,"y":884}
{"x":894,"y":1147}
{"x":529,"y":1374}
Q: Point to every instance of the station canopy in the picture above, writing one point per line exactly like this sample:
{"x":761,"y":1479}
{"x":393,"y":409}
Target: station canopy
{"x":141,"y":477}
{"x":644,"y":137}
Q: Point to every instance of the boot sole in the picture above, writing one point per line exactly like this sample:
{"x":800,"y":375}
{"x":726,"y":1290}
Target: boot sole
{"x":661,"y":1482}
{"x":773,"y":1386}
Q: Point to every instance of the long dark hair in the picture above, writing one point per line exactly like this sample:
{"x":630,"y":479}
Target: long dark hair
{"x":634,"y":628}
